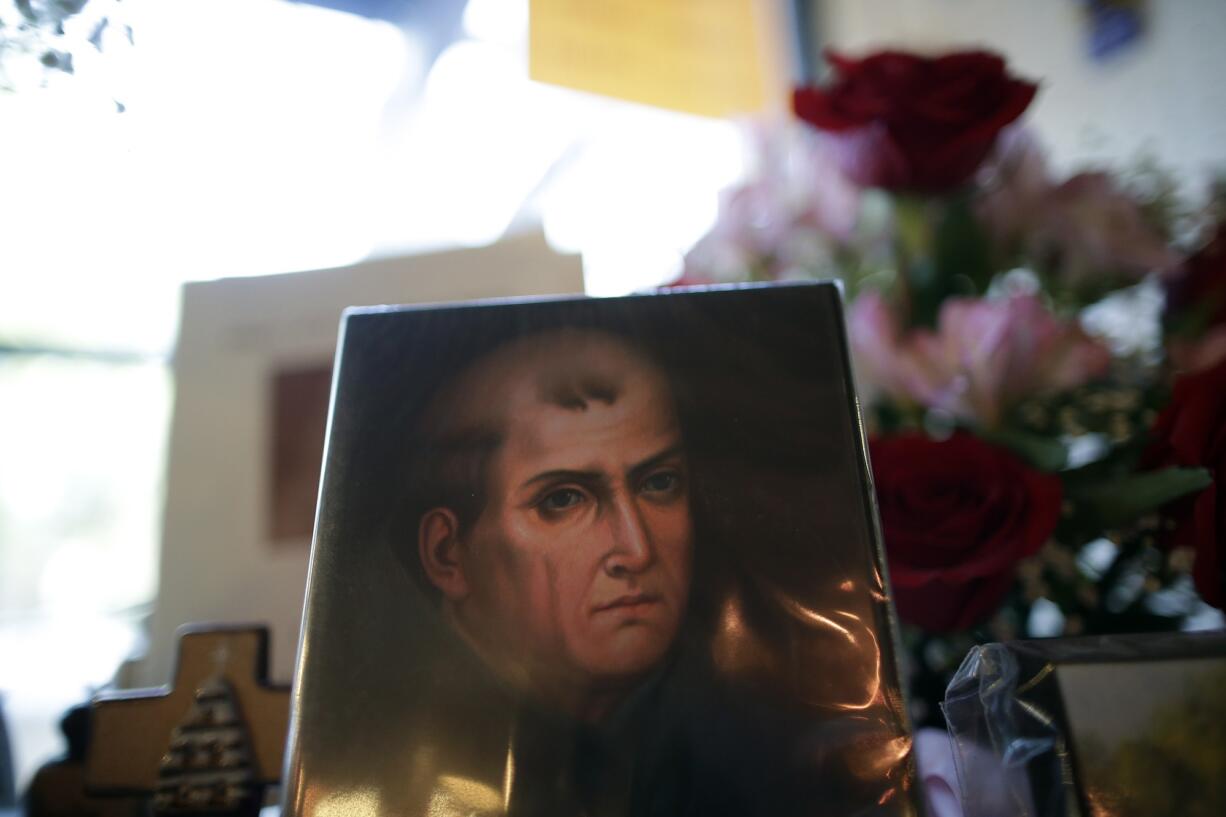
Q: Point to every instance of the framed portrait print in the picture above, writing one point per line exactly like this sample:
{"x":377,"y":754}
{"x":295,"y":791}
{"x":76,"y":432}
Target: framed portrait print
{"x":600,"y":557}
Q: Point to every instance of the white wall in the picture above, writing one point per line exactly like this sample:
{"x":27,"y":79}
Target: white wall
{"x":1165,"y":93}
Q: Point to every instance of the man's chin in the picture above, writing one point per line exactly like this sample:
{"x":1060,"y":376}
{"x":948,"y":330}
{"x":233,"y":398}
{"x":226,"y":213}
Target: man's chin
{"x":627,"y":657}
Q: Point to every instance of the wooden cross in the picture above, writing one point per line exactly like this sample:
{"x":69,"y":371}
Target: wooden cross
{"x":132,"y":729}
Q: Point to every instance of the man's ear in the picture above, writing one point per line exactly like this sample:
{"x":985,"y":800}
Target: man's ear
{"x":438,"y":545}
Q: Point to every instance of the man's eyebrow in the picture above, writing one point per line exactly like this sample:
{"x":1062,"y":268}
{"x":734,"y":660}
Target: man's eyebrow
{"x":566,"y":475}
{"x":640,"y":468}
{"x":599,"y":478}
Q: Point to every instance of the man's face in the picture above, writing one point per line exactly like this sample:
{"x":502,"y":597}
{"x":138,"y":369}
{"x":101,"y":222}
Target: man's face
{"x":580,"y":561}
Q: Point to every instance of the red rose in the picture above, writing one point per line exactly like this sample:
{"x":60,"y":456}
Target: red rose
{"x":1195,"y":312}
{"x":905,"y":122}
{"x":1197,"y":294}
{"x":957,"y":515}
{"x":1191,"y":431}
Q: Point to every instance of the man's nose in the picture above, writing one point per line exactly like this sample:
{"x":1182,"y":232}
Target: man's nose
{"x":631,"y":549}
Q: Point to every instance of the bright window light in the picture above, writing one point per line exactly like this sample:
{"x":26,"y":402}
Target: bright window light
{"x":483,"y":139}
{"x":497,"y":21}
{"x":247,"y":147}
{"x":658,"y":175}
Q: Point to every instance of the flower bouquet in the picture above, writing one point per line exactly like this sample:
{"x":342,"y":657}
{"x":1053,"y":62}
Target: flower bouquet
{"x":1041,"y":360}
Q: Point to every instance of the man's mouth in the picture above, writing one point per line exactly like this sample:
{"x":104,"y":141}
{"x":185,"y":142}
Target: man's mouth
{"x":628,"y":603}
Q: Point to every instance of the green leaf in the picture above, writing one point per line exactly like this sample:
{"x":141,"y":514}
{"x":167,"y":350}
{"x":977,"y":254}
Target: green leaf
{"x":941,"y":252}
{"x":1044,"y":453}
{"x":1115,"y":502}
{"x":962,"y":250}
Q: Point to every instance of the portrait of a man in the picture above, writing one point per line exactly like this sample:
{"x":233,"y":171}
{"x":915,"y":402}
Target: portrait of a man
{"x":559,"y":534}
{"x":598,"y":558}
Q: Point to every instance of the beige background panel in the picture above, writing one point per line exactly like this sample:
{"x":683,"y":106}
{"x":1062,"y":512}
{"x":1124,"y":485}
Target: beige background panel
{"x":217,"y":561}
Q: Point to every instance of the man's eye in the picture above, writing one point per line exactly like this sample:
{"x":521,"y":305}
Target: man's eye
{"x":661,"y":482}
{"x":561,"y":499}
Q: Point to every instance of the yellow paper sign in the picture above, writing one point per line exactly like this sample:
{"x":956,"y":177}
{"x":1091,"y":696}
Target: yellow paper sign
{"x":710,"y":57}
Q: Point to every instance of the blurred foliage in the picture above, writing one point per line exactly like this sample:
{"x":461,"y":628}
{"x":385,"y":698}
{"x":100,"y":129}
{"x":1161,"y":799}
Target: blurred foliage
{"x":48,"y":33}
{"x":1173,"y":767}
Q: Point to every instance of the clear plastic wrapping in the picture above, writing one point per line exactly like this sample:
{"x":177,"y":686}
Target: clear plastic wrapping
{"x":1054,"y":728}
